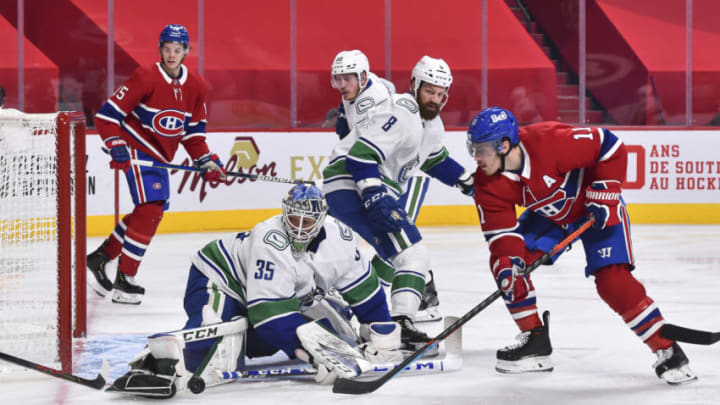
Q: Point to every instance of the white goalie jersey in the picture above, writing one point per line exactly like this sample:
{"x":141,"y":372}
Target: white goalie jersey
{"x":258,"y":268}
{"x":393,"y":137}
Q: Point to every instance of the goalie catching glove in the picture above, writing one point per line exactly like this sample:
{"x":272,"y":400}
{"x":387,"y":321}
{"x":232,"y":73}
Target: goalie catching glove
{"x":212,"y":166}
{"x":510,"y":278}
{"x":602,"y":201}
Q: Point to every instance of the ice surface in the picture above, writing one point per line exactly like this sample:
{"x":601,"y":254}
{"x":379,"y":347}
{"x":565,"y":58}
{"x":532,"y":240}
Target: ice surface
{"x":597,"y":359}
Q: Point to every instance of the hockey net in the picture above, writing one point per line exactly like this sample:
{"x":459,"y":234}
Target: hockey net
{"x":42,"y":236}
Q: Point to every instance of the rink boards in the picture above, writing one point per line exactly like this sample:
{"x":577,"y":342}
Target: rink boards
{"x":673,"y":177}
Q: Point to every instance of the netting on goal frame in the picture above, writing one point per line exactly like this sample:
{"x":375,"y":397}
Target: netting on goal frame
{"x":42,"y":236}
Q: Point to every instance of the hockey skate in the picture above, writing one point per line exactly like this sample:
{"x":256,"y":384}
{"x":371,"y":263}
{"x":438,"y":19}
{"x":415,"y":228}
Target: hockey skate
{"x":149,"y":378}
{"x":672,"y":366}
{"x":429,"y":310}
{"x":530,"y":354}
{"x":411,"y":338}
{"x":126,"y":290}
{"x":96,"y":262}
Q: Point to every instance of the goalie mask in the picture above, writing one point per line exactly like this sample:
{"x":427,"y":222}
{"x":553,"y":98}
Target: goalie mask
{"x":350,"y":62}
{"x":304,"y":211}
{"x":432,"y":71}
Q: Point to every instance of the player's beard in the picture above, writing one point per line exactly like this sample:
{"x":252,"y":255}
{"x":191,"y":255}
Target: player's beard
{"x":428,"y":113}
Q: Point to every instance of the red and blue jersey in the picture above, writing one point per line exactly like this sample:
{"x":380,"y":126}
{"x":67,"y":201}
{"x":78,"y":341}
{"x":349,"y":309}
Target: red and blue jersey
{"x":154,"y":112}
{"x":559,"y":162}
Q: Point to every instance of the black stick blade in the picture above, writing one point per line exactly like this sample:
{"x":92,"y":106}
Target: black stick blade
{"x":348,"y":386}
{"x":687,"y":335}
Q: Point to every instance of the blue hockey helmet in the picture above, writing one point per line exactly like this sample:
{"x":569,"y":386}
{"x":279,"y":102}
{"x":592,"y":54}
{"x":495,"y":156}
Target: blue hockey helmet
{"x":492,"y":125}
{"x":175,"y":33}
{"x":304,"y":210}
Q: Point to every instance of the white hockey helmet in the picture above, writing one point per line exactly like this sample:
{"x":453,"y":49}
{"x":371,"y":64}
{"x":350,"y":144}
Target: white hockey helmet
{"x":431,"y":70}
{"x":350,"y":62}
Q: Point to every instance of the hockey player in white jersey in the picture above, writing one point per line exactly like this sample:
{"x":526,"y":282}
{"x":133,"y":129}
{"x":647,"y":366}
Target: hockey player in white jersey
{"x":270,"y":276}
{"x":368,"y":175}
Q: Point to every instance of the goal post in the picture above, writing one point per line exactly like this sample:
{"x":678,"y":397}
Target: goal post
{"x":42,"y":235}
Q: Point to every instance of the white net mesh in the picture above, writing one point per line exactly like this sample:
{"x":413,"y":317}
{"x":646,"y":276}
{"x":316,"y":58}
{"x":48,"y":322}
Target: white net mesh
{"x":28,"y":238}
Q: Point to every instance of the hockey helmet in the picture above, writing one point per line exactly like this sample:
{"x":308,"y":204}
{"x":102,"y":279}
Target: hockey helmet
{"x":492,"y":125}
{"x":350,"y":62}
{"x":175,"y":33}
{"x":431,"y":70}
{"x":304,"y":210}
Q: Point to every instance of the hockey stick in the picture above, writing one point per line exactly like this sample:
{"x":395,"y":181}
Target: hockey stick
{"x":261,"y":177}
{"x":353,"y":386}
{"x":687,"y":335}
{"x":96,"y":383}
{"x":452,"y":361}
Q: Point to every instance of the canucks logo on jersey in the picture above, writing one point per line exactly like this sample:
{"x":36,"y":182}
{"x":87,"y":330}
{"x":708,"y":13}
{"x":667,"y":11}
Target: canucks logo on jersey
{"x":406,"y":172}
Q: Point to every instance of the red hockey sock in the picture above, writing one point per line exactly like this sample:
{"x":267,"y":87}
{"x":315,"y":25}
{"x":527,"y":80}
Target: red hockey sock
{"x":141,"y":228}
{"x":116,"y":238}
{"x":626,"y":296}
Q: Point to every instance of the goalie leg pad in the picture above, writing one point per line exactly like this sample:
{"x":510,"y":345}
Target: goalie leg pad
{"x":320,"y":347}
{"x":225,"y":356}
{"x":383,"y":342}
{"x":337,"y":312}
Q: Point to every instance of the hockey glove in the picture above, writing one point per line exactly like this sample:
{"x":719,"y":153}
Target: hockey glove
{"x":212,"y":166}
{"x":383,"y":210}
{"x":119,"y":153}
{"x":508,"y":272}
{"x":602,"y":201}
{"x":383,"y":342}
{"x":324,"y":374}
{"x":466,"y":184}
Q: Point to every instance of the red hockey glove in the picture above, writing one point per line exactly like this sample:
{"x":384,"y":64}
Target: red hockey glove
{"x":602,"y":201}
{"x":119,"y":152}
{"x":509,"y":278}
{"x":214,"y":170}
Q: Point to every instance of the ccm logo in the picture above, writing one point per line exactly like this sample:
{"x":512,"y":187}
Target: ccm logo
{"x":169,"y":123}
{"x":200,"y":334}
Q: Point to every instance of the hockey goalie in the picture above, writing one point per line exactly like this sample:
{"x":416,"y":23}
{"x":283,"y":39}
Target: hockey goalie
{"x":295,"y":283}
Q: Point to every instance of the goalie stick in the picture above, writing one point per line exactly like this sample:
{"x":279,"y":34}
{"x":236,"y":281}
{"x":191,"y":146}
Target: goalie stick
{"x":353,"y":386}
{"x":452,"y":361}
{"x":261,"y":177}
{"x":96,"y":383}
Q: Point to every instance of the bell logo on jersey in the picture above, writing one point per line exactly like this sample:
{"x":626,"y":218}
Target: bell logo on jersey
{"x":169,"y":123}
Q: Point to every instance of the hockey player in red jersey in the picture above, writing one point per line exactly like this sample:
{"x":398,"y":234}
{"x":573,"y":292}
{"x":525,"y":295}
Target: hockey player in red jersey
{"x":147,"y":117}
{"x":562,"y":175}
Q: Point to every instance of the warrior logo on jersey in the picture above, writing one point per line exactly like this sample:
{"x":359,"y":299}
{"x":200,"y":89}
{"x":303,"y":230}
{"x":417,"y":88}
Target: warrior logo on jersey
{"x":560,"y":202}
{"x":169,"y":123}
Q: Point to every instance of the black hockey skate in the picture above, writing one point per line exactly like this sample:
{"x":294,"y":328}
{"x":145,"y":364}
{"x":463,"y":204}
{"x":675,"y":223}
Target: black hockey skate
{"x":531,"y":353}
{"x":429,"y":310}
{"x":96,"y":262}
{"x":148,"y":377}
{"x":672,"y":366}
{"x":126,"y":290}
{"x":410,"y":337}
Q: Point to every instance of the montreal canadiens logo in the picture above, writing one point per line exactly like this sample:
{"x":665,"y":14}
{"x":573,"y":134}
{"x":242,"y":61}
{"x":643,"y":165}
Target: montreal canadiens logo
{"x":169,"y":123}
